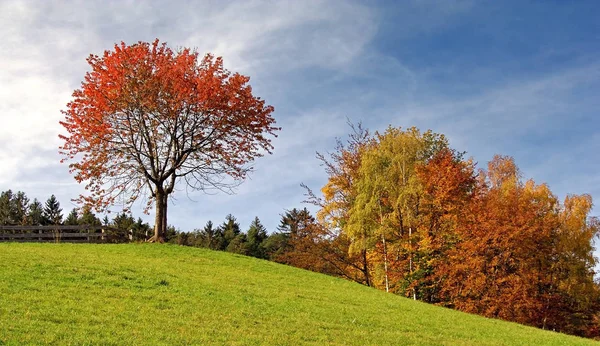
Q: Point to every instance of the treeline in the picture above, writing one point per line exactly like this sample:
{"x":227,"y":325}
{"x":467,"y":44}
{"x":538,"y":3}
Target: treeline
{"x":16,"y":209}
{"x":255,"y":241}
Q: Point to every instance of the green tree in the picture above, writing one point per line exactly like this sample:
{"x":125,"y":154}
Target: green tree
{"x":6,"y":208}
{"x":73,"y":218}
{"x":13,"y":208}
{"x":124,"y":223}
{"x":141,"y":230}
{"x":230,"y":229}
{"x":239,"y":245}
{"x":210,"y":237}
{"x":295,"y":222}
{"x":275,"y":245}
{"x":257,"y":233}
{"x":53,"y":211}
{"x":35,"y":215}
{"x":88,"y":218}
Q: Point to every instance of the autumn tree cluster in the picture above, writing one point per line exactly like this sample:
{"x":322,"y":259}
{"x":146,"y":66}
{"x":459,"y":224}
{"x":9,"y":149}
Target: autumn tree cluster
{"x":404,"y":212}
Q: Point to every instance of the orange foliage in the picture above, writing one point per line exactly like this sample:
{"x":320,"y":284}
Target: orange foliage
{"x":146,"y":117}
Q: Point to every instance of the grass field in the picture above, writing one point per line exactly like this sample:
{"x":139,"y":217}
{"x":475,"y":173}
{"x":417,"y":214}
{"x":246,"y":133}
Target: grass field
{"x":165,"y":294}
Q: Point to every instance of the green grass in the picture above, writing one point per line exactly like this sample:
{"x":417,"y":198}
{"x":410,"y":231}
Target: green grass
{"x":162,"y":294}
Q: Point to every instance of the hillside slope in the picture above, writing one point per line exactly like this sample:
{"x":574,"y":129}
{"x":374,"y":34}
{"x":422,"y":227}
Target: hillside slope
{"x":164,"y":294}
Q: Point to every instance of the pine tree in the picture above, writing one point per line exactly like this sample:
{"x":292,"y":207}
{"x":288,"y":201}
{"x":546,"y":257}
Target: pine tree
{"x":89,"y":218}
{"x":257,"y":233}
{"x":123,"y":223}
{"x":72,"y":219}
{"x":53,"y":211}
{"x":5,"y":207}
{"x":230,"y":229}
{"x":238,"y":245}
{"x":13,"y":208}
{"x":20,"y":208}
{"x":141,"y":230}
{"x":210,"y":238}
{"x":35,"y":214}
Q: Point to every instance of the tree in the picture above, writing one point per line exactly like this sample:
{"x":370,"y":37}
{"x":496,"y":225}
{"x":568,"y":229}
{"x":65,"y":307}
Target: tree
{"x":5,"y":207}
{"x":449,"y":185}
{"x":123,"y":223}
{"x":146,"y":118}
{"x":210,"y":238}
{"x":73,"y":218}
{"x":521,"y":256}
{"x":13,"y":208}
{"x":88,"y":218}
{"x":238,"y":245}
{"x":257,"y":233}
{"x":35,"y":215}
{"x":53,"y":211}
{"x":229,"y":230}
{"x":385,"y":213}
{"x":339,"y":193}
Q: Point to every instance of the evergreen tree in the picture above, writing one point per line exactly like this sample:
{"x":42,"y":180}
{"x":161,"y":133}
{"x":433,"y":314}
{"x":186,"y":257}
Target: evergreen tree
{"x":141,"y":230}
{"x":209,"y":237}
{"x":230,"y":229}
{"x":257,"y":233}
{"x":53,"y":211}
{"x":20,"y":207}
{"x":72,"y":219}
{"x":123,"y":223}
{"x":294,"y":222}
{"x":238,"y":245}
{"x":88,"y":218}
{"x":13,"y":208}
{"x":171,"y":233}
{"x":5,"y":207}
{"x":275,"y":245}
{"x":35,"y":214}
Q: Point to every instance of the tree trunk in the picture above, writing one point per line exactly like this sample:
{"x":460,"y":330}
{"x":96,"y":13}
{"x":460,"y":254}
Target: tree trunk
{"x":366,"y":268}
{"x":411,"y":260}
{"x":385,"y":264}
{"x":160,"y":220}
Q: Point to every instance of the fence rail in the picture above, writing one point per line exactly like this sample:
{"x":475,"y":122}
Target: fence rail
{"x":55,"y":234}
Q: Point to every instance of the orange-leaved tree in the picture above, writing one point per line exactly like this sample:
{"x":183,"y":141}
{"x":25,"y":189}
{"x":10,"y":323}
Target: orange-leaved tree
{"x":147,"y":118}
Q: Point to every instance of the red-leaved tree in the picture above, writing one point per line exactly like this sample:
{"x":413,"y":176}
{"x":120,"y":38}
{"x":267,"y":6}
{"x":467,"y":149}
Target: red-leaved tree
{"x":146,"y":118}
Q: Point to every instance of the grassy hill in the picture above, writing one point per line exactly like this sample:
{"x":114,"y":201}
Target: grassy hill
{"x":162,"y":294}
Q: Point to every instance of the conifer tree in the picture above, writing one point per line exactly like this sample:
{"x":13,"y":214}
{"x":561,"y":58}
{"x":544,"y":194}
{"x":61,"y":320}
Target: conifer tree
{"x":257,"y":233}
{"x":53,"y":211}
{"x":230,"y":229}
{"x":73,"y":218}
{"x":35,"y":214}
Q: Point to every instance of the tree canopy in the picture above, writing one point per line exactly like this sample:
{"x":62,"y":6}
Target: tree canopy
{"x":146,"y":118}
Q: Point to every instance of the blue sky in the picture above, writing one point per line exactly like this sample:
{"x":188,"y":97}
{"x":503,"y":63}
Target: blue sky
{"x":515,"y":78}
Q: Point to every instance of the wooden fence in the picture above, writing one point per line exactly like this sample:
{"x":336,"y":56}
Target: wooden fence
{"x":58,"y":234}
